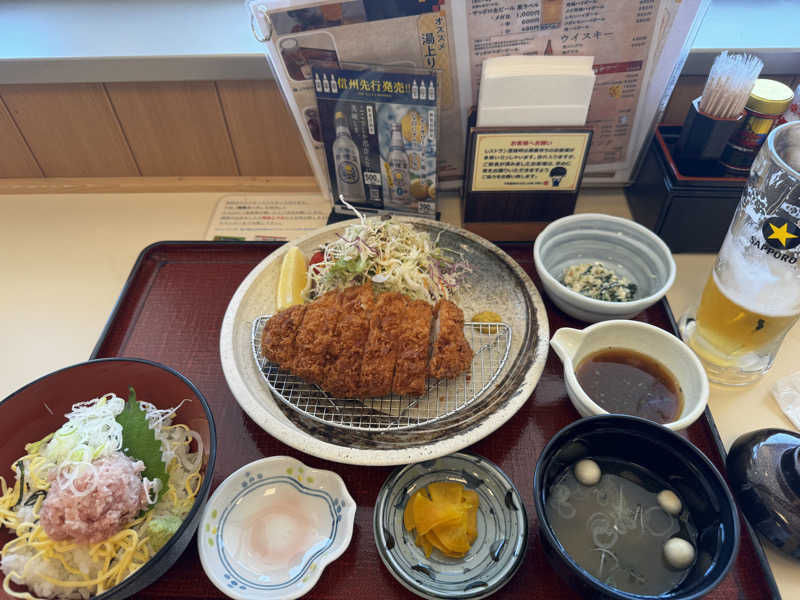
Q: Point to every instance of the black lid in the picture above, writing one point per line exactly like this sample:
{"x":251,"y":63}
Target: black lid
{"x":764,"y":474}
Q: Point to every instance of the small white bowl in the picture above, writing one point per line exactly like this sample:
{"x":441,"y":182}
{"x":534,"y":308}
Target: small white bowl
{"x":272,"y":527}
{"x":573,"y":345}
{"x":627,"y":248}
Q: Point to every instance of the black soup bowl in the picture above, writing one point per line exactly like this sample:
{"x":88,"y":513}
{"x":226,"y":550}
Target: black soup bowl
{"x":669,"y":457}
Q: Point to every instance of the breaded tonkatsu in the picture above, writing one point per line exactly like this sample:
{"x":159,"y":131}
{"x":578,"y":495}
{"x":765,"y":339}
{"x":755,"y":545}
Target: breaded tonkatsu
{"x":414,"y":349}
{"x":309,"y":355}
{"x":385,"y":327}
{"x":346,"y":352}
{"x":450,"y":349}
{"x":357,"y":345}
{"x":278,"y":337}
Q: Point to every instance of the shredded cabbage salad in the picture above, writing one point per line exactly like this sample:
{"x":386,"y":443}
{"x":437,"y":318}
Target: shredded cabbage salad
{"x":393,"y":255}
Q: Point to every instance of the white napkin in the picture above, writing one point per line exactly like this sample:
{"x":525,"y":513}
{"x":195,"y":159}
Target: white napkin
{"x":786,"y":392}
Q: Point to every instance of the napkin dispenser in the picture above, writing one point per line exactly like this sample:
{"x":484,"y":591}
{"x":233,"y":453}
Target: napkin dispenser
{"x":527,"y":143}
{"x":535,"y":91}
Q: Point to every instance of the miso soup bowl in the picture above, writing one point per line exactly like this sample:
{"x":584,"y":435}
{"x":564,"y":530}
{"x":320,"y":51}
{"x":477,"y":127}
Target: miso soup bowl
{"x":573,"y":345}
{"x":669,"y":457}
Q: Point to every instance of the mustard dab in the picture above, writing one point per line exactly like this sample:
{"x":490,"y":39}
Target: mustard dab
{"x":487,"y":316}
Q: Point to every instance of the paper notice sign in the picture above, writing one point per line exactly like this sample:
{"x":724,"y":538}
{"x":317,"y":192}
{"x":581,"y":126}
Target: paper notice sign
{"x":267,"y":217}
{"x":528,"y":161}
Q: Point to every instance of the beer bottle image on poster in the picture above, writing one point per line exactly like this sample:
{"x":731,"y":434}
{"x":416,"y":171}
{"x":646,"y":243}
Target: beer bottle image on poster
{"x":408,"y":147}
{"x":347,"y":163}
{"x":398,"y":168}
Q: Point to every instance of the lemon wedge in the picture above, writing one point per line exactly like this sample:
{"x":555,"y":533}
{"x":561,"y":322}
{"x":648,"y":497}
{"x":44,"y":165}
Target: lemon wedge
{"x":292,"y":280}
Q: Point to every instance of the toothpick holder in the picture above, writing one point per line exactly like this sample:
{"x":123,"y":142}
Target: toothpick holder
{"x":703,"y":138}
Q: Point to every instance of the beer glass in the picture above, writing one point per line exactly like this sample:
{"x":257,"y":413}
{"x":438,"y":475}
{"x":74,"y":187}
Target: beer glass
{"x":752,"y":296}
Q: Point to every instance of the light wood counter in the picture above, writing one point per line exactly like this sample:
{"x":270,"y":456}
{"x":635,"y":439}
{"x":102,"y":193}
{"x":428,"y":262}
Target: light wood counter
{"x":65,"y":259}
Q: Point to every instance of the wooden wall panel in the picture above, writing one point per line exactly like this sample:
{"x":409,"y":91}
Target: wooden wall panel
{"x":71,"y":129}
{"x":174,"y":128}
{"x":16,"y":159}
{"x":262,"y":129}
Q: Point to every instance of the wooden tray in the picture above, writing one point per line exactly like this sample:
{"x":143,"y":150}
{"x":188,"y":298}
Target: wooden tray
{"x":170,"y":311}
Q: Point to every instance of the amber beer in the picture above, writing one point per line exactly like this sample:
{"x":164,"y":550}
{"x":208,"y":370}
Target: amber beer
{"x":752,"y":297}
{"x":727,"y":331}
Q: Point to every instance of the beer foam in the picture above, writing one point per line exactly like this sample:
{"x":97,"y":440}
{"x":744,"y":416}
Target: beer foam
{"x":757,"y":281}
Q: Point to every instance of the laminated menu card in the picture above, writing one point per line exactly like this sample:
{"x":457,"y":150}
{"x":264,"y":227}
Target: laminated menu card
{"x":379,"y":129}
{"x":639,"y":47}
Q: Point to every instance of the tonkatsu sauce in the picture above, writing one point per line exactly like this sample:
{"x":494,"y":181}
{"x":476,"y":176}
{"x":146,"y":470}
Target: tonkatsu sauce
{"x":628,"y":382}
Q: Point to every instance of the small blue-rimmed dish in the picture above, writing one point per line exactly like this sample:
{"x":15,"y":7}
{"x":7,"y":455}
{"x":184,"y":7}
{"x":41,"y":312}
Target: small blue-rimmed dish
{"x":272,"y":527}
{"x":494,"y":556}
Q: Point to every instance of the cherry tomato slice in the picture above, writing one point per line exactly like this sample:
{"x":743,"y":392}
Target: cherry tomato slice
{"x":317,"y":257}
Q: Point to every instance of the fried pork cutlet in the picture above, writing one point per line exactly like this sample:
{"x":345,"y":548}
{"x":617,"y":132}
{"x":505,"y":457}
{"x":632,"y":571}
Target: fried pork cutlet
{"x":356,"y":345}
{"x":277,"y":338}
{"x":314,"y":337}
{"x":451,"y":352}
{"x":413,"y":349}
{"x":385,"y":327}
{"x":346,"y":351}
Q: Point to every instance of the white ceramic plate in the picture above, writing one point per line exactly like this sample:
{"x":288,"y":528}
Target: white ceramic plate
{"x":497,"y":283}
{"x":272,"y":527}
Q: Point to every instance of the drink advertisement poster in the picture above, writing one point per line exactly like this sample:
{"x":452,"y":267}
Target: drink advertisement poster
{"x":638,"y":47}
{"x":400,"y":35}
{"x":379,"y":129}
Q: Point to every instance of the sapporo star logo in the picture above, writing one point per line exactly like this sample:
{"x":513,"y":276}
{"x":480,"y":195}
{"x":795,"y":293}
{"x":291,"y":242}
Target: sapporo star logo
{"x":780,"y":234}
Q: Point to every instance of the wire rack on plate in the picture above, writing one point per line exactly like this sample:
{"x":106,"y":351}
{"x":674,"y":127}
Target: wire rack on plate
{"x":442,"y":398}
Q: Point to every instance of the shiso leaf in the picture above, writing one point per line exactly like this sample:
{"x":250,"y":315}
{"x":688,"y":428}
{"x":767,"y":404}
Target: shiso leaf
{"x":139,"y":441}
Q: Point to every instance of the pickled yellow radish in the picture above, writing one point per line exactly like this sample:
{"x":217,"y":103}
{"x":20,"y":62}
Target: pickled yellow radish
{"x":453,"y":536}
{"x":423,"y":542}
{"x":292,"y":279}
{"x":408,"y":516}
{"x":444,"y":516}
{"x":446,"y":492}
{"x":428,"y":514}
